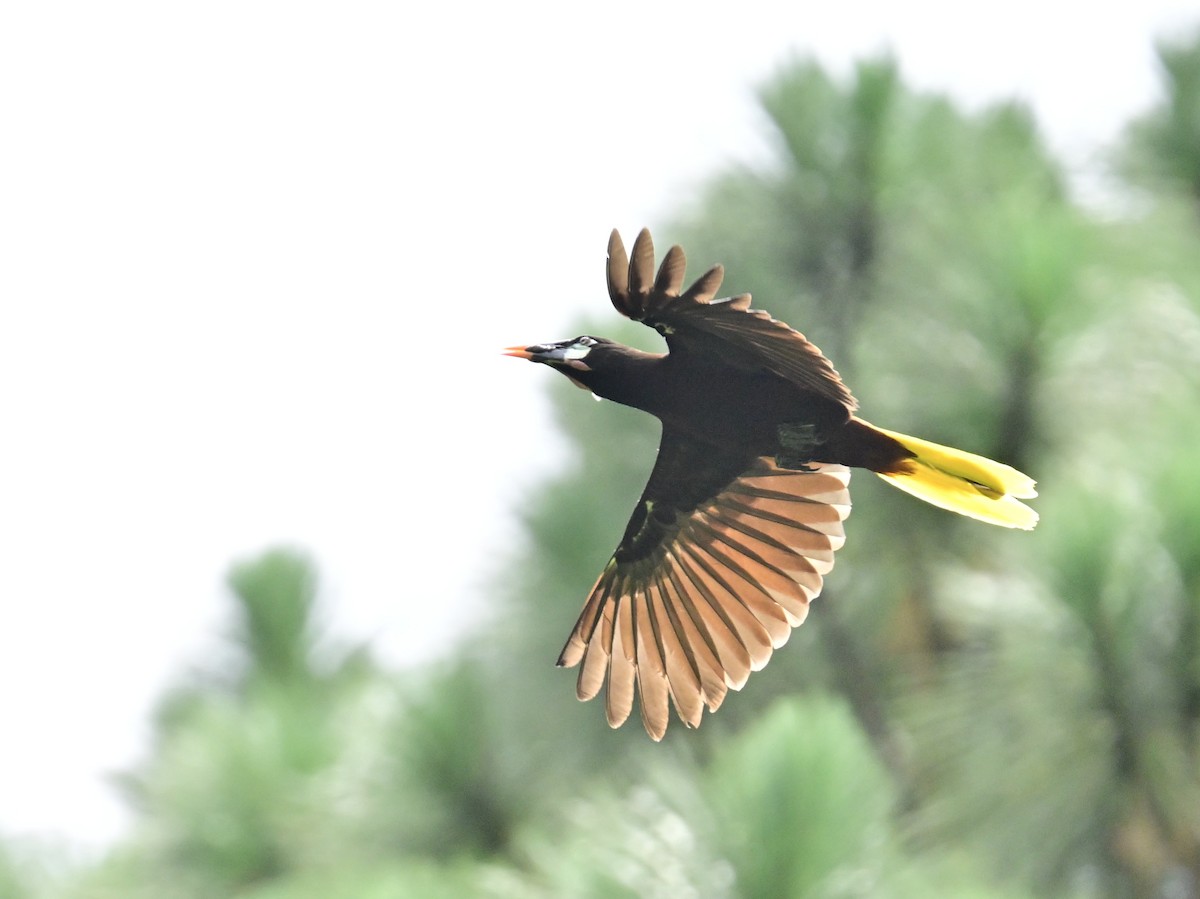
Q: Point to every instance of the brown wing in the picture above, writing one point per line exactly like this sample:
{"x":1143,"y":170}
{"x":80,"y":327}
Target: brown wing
{"x":719,"y":562}
{"x":694,"y":323}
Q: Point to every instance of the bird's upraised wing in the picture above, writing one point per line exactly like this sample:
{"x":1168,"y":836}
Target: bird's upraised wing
{"x":729,"y":330}
{"x":718,"y":563}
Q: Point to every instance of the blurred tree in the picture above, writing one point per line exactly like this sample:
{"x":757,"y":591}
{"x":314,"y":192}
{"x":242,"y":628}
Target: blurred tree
{"x":28,"y":871}
{"x":795,"y":805}
{"x":805,"y":804}
{"x":276,"y":629}
{"x":1166,"y":143}
{"x":1075,"y":679}
{"x":245,"y":767}
{"x":451,"y":770}
{"x":300,"y":769}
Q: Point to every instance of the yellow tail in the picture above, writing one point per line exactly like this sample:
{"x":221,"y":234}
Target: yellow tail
{"x":964,"y":483}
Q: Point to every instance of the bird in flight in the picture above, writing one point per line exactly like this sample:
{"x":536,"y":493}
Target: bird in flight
{"x":742,"y":514}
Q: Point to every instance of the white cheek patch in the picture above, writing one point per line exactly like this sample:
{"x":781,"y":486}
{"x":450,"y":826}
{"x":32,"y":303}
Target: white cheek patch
{"x":572,"y":353}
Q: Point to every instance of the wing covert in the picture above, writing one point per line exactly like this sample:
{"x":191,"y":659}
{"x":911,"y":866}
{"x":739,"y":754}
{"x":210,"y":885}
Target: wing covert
{"x":727,"y":329}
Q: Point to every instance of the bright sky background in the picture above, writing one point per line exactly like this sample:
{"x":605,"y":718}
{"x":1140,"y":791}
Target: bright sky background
{"x":257,"y":260}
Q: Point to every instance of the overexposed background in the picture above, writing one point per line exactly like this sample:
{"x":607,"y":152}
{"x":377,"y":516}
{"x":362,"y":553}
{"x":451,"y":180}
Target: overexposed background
{"x":257,"y":260}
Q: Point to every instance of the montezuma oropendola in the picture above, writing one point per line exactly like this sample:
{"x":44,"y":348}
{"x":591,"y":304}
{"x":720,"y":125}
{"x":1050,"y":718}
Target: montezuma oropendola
{"x":743,"y":511}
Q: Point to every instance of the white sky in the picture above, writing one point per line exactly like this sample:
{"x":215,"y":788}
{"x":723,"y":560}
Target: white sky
{"x":257,"y":260}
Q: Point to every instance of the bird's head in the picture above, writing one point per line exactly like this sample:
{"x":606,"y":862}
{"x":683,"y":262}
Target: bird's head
{"x":578,"y":358}
{"x":571,"y":354}
{"x":606,"y":368}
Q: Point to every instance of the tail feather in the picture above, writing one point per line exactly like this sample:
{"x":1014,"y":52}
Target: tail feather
{"x":963,"y":482}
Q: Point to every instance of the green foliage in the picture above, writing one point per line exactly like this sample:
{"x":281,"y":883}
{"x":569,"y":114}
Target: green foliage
{"x":29,"y":870}
{"x":276,"y":595}
{"x":1013,"y":753}
{"x":803,"y":802}
{"x":1167,"y":141}
{"x":385,"y":880}
{"x":244,"y":776}
{"x":621,"y":840}
{"x":460,"y":798}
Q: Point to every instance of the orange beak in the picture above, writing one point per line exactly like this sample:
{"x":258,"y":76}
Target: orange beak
{"x":519,"y":351}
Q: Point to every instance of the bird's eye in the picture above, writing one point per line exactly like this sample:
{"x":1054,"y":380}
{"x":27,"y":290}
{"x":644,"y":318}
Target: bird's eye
{"x":585,"y":341}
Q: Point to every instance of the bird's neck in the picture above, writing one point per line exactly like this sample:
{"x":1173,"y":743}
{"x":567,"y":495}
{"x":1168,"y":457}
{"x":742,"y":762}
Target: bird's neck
{"x":635,"y":382}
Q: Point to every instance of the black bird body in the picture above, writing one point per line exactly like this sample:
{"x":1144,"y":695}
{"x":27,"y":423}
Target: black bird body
{"x":734,"y":411}
{"x":724,"y":407}
{"x":743,"y":511}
